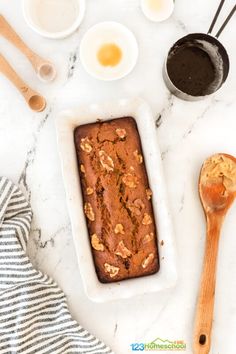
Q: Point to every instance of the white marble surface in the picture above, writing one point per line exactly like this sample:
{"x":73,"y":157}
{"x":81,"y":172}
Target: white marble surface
{"x":188,"y":133}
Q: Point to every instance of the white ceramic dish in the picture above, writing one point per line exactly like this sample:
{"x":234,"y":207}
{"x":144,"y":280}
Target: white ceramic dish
{"x":103,"y":33}
{"x":66,"y":122}
{"x":30,"y":13}
{"x":157,"y":10}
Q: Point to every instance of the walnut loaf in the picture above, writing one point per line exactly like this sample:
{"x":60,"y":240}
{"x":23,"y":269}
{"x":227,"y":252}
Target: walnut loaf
{"x":117,"y":199}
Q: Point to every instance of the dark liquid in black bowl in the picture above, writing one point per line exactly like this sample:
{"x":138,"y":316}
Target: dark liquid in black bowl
{"x":191,"y":70}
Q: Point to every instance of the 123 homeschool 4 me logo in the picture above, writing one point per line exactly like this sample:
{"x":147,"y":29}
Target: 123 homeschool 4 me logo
{"x":160,"y":345}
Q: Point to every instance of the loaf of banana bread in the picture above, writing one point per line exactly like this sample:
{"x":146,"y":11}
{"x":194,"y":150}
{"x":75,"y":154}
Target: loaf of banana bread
{"x":117,"y":199}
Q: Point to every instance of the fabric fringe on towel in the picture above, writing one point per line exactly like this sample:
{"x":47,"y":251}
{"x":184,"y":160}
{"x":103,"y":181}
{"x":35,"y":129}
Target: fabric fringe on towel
{"x":34,"y":317}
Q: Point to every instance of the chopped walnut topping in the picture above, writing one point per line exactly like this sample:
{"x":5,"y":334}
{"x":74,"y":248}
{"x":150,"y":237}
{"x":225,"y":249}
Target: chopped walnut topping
{"x":86,"y":144}
{"x":106,"y":161}
{"x":136,"y":207}
{"x":121,"y":133}
{"x":133,"y":209}
{"x":82,"y":169}
{"x":130,"y":180}
{"x":96,"y":243}
{"x":89,"y":211}
{"x":122,"y":250}
{"x":139,"y":204}
{"x":112,"y":270}
{"x":119,"y":229}
{"x":148,"y":260}
{"x":89,"y":190}
{"x":147,"y":220}
{"x":149,"y":193}
{"x":138,"y":157}
{"x":147,"y":238}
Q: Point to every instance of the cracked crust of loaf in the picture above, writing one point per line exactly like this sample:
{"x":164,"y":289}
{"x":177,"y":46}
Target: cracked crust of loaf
{"x":109,"y":153}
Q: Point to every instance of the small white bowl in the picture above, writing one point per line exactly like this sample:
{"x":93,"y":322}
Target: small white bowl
{"x":31,"y":17}
{"x":158,"y":15}
{"x":107,"y":33}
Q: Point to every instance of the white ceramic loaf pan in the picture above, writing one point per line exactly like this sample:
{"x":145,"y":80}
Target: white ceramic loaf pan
{"x":66,"y":122}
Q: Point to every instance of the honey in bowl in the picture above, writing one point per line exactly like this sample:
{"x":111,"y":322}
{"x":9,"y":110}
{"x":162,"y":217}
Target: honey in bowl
{"x":109,"y":54}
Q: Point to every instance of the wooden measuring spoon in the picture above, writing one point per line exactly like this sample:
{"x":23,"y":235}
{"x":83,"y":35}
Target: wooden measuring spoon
{"x":44,"y":69}
{"x":217,"y":188}
{"x":35,"y":101}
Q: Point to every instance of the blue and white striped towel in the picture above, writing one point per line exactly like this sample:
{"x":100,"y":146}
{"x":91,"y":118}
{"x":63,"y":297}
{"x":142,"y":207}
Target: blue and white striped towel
{"x":34,"y":317}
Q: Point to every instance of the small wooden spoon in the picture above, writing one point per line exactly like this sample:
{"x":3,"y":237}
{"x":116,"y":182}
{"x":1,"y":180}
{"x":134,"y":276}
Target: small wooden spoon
{"x":217,"y":188}
{"x":35,"y":101}
{"x":44,"y":69}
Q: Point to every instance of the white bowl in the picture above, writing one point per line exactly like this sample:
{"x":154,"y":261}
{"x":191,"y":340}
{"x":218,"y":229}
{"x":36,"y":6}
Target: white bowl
{"x":66,"y":122}
{"x":103,"y":33}
{"x":30,"y":15}
{"x":158,"y":16}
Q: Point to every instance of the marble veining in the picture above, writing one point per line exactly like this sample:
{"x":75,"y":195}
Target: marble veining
{"x":73,"y":58}
{"x":166,"y":109}
{"x":31,"y":154}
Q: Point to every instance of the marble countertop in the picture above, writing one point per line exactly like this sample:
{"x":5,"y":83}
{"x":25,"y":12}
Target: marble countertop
{"x":187,"y":132}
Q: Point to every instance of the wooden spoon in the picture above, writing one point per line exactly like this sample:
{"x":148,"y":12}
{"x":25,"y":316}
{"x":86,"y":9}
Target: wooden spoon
{"x":217,"y":188}
{"x":35,"y":101}
{"x":44,"y":69}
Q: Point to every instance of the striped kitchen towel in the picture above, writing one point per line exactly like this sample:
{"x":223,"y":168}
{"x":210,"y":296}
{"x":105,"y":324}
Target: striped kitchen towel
{"x":34,"y":317}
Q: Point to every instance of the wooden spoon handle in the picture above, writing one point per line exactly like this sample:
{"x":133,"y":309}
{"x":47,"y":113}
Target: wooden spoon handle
{"x":9,"y":33}
{"x":206,"y":299}
{"x":10,"y":73}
